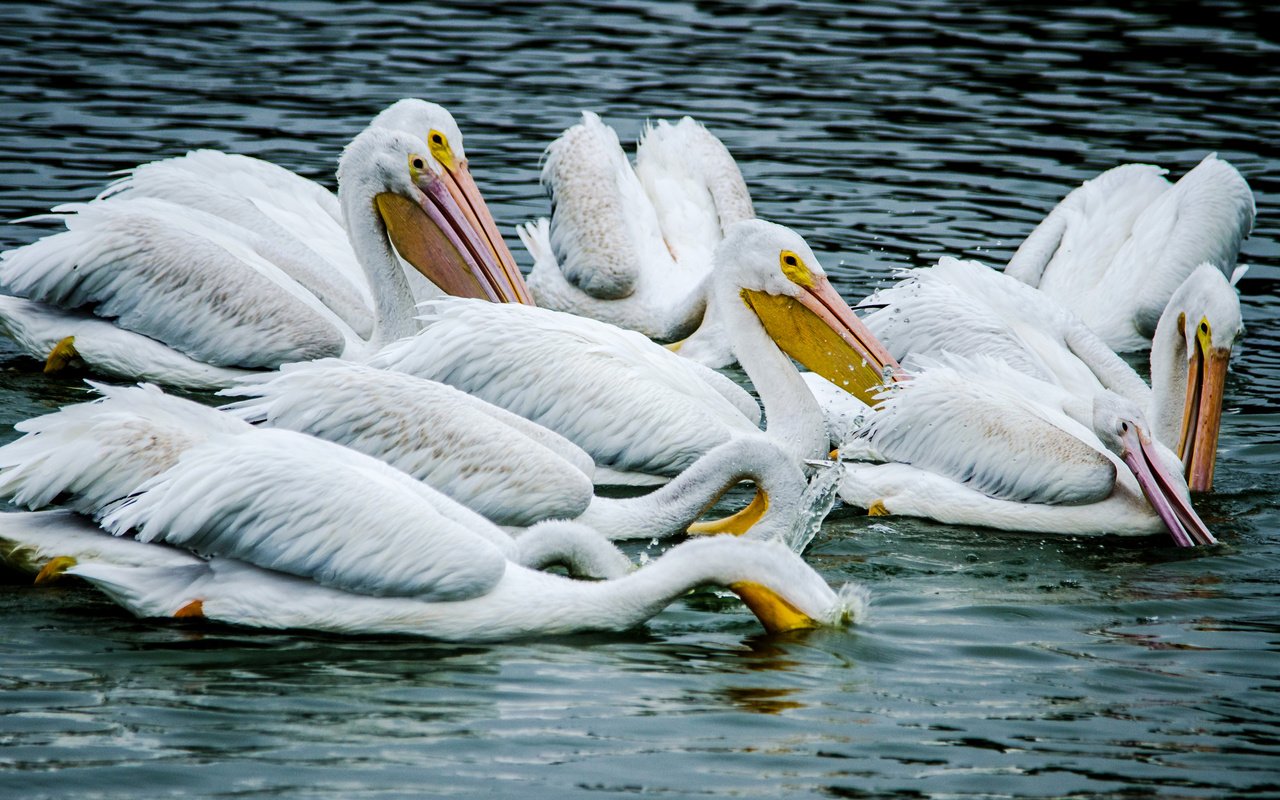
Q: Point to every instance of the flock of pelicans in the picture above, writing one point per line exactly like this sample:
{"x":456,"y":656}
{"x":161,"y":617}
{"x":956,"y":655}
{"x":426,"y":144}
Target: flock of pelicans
{"x":415,"y":434}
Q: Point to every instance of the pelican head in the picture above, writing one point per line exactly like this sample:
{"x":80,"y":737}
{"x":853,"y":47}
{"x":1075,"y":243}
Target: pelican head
{"x":783,"y":591}
{"x":441,"y":225}
{"x":1205,"y":313}
{"x":422,"y":118}
{"x":777,"y":276}
{"x":1122,"y":428}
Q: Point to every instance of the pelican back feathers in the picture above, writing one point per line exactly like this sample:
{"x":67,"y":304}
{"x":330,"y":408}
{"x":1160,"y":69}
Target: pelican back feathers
{"x":385,"y":537}
{"x":970,"y":420}
{"x":95,"y":453}
{"x":509,"y":469}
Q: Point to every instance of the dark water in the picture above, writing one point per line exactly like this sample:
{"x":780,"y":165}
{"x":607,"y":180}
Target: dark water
{"x":993,"y":665}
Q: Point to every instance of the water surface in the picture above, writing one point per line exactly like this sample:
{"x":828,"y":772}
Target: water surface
{"x":994,"y":664}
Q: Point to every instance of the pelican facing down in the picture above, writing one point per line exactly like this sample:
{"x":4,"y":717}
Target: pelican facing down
{"x":974,"y":441}
{"x":965,"y":308}
{"x":633,"y":247}
{"x":777,"y":586}
{"x":1115,"y":248}
{"x":189,"y":297}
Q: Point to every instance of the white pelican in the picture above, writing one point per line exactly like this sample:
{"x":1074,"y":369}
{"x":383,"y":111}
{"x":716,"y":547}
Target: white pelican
{"x":974,"y":441}
{"x":640,"y":411}
{"x":965,"y":308}
{"x":189,"y":298}
{"x":1115,"y":248}
{"x":634,"y":247}
{"x":93,"y":454}
{"x":506,"y":602}
{"x":1192,"y":348}
{"x":299,"y":224}
{"x":1017,"y":419}
{"x":507,"y":468}
{"x":306,"y":534}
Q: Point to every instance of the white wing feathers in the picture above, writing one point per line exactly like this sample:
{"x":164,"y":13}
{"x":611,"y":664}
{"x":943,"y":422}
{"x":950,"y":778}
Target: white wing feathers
{"x":695,"y":185}
{"x":1088,"y":226}
{"x":1203,"y":218}
{"x":106,"y":348}
{"x":262,"y":181}
{"x":507,"y":468}
{"x":971,"y":420}
{"x":297,"y":221}
{"x":381,"y":538}
{"x":964,"y":307}
{"x":536,"y":238}
{"x":1116,"y":248}
{"x":944,"y":308}
{"x":630,"y":403}
{"x":603,"y":223}
{"x":179,"y":276}
{"x":101,"y":451}
{"x":668,"y":168}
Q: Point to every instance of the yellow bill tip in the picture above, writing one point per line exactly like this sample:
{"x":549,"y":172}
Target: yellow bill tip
{"x":774,"y":612}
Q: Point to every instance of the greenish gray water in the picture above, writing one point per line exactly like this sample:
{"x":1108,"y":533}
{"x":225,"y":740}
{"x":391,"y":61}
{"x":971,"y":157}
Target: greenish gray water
{"x":994,"y":664}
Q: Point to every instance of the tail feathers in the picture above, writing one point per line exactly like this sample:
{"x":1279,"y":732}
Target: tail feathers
{"x":148,"y":591}
{"x":100,"y":451}
{"x":602,"y":218}
{"x":30,"y":539}
{"x":536,"y":237}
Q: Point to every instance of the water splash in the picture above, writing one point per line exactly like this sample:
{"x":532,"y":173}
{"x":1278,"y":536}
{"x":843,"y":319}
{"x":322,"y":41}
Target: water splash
{"x":815,"y":503}
{"x":852,"y":602}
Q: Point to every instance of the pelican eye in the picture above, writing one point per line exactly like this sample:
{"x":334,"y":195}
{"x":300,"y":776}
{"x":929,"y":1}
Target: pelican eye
{"x":440,"y":148}
{"x":793,"y":267}
{"x":1204,"y":333}
{"x":418,"y":163}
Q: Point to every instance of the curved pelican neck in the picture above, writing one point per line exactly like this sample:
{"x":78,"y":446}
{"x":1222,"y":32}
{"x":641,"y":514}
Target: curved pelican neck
{"x":1110,"y":369}
{"x":527,"y":602}
{"x":692,"y":311}
{"x":393,"y":316}
{"x":1169,"y":368}
{"x":793,"y":418}
{"x":670,"y":510}
{"x":582,"y":550}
